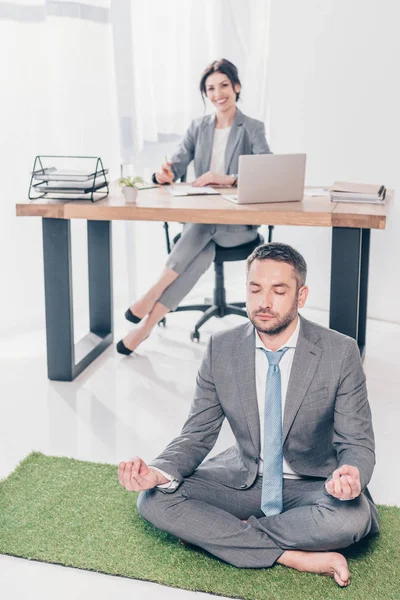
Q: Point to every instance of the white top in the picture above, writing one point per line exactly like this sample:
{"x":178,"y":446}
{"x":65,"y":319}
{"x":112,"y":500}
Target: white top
{"x":217,"y":164}
{"x":285,"y":365}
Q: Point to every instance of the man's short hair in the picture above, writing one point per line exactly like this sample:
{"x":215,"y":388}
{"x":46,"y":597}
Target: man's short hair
{"x":281,"y":253}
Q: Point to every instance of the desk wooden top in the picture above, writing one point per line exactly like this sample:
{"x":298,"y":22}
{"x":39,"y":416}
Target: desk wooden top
{"x":157,"y":204}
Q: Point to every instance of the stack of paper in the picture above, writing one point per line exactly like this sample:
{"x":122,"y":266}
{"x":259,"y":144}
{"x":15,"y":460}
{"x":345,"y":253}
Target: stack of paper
{"x":342,"y":191}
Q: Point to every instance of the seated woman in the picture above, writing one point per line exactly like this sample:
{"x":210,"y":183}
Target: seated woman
{"x":214,"y":143}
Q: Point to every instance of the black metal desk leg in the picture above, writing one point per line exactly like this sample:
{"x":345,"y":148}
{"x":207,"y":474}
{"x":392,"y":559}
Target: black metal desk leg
{"x":58,"y":298}
{"x":349,"y":282}
{"x":100,"y":277}
{"x":362,"y":314}
{"x":65,"y":360}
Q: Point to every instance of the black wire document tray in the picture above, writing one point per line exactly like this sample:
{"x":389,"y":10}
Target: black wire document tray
{"x":68,"y":178}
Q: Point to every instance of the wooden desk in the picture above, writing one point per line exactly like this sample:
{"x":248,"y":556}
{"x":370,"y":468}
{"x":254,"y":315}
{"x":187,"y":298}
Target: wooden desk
{"x":351,"y":225}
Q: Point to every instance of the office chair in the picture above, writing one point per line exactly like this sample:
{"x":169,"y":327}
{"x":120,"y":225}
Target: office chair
{"x":219,"y":308}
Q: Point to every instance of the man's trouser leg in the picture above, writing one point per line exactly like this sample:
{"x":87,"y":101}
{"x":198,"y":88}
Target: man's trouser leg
{"x":210,"y":515}
{"x":315,"y":521}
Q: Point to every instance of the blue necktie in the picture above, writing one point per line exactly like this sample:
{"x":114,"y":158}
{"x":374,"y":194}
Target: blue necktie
{"x":272,"y":496}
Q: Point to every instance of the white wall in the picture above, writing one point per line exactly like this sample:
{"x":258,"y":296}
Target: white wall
{"x":334,"y":91}
{"x":56,"y":98}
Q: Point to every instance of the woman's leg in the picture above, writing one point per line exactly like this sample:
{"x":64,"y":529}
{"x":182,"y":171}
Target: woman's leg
{"x":172,"y":296}
{"x":189,"y":259}
{"x":224,"y":235}
{"x":195,"y":236}
{"x":229,"y":236}
{"x":143,"y":306}
{"x":143,"y":330}
{"x":180,"y":288}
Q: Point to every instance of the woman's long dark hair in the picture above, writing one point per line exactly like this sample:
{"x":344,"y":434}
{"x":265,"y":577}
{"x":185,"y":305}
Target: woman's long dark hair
{"x":220,"y":66}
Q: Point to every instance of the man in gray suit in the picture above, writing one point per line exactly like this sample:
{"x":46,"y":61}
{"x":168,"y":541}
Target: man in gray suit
{"x":293,"y":487}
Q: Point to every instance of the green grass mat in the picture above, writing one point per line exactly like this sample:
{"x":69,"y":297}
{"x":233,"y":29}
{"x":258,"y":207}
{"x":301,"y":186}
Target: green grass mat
{"x":75,"y":513}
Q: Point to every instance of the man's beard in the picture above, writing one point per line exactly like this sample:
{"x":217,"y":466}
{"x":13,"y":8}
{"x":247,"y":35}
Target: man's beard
{"x":279,"y":325}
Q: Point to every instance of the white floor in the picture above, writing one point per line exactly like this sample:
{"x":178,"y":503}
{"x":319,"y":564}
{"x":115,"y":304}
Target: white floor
{"x":124,"y":406}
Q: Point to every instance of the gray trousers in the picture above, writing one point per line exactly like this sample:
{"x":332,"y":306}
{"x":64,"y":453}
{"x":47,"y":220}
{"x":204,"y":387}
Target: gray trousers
{"x":210,"y":515}
{"x":195,"y":251}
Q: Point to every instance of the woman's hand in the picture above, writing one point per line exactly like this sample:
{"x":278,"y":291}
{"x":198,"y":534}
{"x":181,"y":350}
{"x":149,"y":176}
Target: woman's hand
{"x":165,"y":175}
{"x":210,"y":178}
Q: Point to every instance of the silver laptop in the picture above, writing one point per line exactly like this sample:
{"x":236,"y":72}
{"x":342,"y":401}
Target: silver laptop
{"x":270,"y":178}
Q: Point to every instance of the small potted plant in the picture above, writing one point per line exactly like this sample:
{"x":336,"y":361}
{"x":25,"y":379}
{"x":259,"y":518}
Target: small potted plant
{"x":129,"y":187}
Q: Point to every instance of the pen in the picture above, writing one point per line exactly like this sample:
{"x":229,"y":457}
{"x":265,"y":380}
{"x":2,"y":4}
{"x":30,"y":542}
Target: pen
{"x":381,"y":190}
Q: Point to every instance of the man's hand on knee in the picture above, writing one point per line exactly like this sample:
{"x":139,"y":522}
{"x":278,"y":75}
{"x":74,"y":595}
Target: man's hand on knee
{"x":137,"y":476}
{"x":345,"y":483}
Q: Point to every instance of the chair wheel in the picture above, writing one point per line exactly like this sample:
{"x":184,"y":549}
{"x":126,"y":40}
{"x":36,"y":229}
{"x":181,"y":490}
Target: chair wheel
{"x":163,"y":322}
{"x":195,"y":336}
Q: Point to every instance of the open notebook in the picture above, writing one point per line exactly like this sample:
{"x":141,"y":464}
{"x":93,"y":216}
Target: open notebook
{"x":189,"y":190}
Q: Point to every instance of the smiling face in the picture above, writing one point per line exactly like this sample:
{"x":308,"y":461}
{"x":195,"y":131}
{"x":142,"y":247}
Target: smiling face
{"x":273,"y":297}
{"x":220,"y":91}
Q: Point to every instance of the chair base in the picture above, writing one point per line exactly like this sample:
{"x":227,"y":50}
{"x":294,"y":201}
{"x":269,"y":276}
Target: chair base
{"x":213,"y":310}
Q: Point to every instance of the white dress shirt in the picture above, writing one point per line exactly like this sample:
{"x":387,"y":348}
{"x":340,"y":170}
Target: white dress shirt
{"x":217,"y":164}
{"x":285,"y":365}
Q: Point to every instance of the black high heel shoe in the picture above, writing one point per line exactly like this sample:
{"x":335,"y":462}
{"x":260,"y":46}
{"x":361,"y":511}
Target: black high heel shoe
{"x":129,"y":316}
{"x":122,"y":349}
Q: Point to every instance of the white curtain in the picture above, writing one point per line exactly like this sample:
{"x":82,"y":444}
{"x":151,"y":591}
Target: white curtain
{"x":107,"y":78}
{"x":161,"y":49}
{"x":57,"y":97}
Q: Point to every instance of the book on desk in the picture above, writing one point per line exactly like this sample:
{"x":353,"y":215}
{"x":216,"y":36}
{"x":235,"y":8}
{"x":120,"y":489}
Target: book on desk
{"x":342,"y":191}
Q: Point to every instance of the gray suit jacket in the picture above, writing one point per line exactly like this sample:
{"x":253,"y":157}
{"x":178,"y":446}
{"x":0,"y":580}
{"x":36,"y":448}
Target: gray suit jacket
{"x":247,"y":136}
{"x":327,"y":419}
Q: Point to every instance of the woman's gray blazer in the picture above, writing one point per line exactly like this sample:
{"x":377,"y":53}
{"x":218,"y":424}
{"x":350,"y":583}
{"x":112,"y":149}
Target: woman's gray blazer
{"x":247,"y":136}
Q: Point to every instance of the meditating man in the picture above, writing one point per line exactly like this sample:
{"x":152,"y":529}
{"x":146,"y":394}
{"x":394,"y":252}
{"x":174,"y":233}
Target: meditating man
{"x":293,"y":488}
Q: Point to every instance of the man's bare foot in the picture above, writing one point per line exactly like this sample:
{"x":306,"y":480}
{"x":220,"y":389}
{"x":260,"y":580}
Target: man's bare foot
{"x":332,"y":564}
